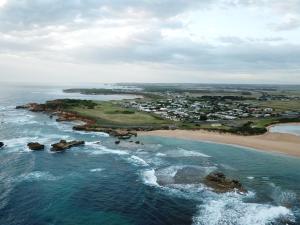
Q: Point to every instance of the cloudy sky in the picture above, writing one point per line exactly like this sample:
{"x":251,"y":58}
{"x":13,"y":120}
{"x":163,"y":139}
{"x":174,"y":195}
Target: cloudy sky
{"x":220,"y":41}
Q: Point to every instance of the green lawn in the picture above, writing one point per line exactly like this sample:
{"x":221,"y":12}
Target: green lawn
{"x":111,"y":113}
{"x":280,"y":106}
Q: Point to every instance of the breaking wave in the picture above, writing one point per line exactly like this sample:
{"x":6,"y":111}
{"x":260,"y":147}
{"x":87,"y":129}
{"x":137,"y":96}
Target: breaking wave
{"x":149,"y":177}
{"x":231,"y":210}
{"x":98,"y":149}
{"x":137,"y":161}
{"x":180,"y":152}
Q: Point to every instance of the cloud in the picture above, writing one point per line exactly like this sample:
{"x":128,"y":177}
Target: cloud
{"x":182,"y":35}
{"x":289,"y":22}
{"x":32,"y":13}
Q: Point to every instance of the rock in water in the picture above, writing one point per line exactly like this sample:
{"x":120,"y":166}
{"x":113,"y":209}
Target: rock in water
{"x":220,"y":183}
{"x":117,"y":142}
{"x":63,"y":145}
{"x":1,"y":144}
{"x":35,"y":146}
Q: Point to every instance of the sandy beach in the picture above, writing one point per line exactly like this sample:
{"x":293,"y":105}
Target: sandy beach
{"x":274,"y":142}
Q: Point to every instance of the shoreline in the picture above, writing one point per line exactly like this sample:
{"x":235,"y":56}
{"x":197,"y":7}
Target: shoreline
{"x":287,"y":144}
{"x":282,"y":124}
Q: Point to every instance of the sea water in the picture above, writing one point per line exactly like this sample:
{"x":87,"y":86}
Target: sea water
{"x":286,"y":128}
{"x":103,"y":183}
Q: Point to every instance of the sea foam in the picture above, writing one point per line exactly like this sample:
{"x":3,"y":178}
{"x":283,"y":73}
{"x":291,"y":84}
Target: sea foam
{"x":149,"y":177}
{"x":180,"y":152}
{"x":137,"y":161}
{"x":231,"y":210}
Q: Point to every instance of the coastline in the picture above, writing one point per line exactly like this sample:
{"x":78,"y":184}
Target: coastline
{"x":282,"y":124}
{"x":287,"y":144}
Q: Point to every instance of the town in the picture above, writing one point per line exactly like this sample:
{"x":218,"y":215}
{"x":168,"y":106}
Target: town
{"x":212,"y":109}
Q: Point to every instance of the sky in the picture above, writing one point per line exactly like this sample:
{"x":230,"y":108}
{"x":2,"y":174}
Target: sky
{"x":190,"y":41}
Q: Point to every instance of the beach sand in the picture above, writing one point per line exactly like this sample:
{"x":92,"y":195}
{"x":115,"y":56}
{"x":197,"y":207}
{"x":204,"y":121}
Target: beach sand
{"x":274,"y":142}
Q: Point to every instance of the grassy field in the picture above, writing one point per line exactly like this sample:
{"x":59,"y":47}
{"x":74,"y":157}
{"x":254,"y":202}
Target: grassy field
{"x":111,"y":113}
{"x":280,"y":106}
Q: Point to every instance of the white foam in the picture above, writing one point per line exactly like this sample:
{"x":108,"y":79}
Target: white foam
{"x":180,"y":152}
{"x":96,"y":170}
{"x":137,"y":161}
{"x":169,"y":171}
{"x":101,"y":134}
{"x":99,"y":149}
{"x":231,"y":210}
{"x":283,"y":197}
{"x":19,"y":144}
{"x":160,"y":154}
{"x":149,"y":177}
{"x":166,"y":175}
{"x":186,"y":191}
{"x":17,"y":118}
{"x":250,"y":178}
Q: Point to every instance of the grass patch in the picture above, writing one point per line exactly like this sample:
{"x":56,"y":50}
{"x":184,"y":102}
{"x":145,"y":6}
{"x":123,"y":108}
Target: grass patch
{"x":281,"y":106}
{"x":111,"y":113}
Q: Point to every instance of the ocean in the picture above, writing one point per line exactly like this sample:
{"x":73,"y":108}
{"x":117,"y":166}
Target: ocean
{"x":286,"y":128}
{"x":102,"y":183}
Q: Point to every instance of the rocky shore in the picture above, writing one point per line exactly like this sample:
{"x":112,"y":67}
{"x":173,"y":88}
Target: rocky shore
{"x":35,"y":146}
{"x":56,"y":108}
{"x":119,"y":133}
{"x":64,"y":145}
{"x":221,"y":184}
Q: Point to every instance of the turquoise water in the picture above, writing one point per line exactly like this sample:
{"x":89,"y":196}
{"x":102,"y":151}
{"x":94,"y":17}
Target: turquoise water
{"x":131,"y":184}
{"x":286,"y":128}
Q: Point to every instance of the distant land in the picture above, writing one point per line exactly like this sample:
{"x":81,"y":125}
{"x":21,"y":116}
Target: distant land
{"x":245,"y":110}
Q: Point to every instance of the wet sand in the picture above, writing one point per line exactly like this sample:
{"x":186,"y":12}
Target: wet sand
{"x":274,"y":142}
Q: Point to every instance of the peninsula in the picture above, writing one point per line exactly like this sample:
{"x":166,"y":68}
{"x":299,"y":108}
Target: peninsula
{"x":229,"y":115}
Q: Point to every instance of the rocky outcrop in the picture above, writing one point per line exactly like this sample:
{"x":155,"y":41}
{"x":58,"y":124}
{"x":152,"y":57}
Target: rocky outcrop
{"x":64,"y":145}
{"x":71,"y":116}
{"x":118,"y":133}
{"x":1,"y":144}
{"x":35,"y":146}
{"x":34,"y":107}
{"x":62,"y":110}
{"x":221,"y":184}
{"x":56,"y":108}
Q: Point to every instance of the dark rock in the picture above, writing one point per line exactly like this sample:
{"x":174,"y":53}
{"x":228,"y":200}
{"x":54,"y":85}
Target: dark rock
{"x":220,"y":183}
{"x":1,"y":144}
{"x":63,"y":145}
{"x":34,"y":107}
{"x":117,"y":142}
{"x":137,"y":142}
{"x":118,"y":133}
{"x":35,"y":146}
{"x":122,"y":134}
